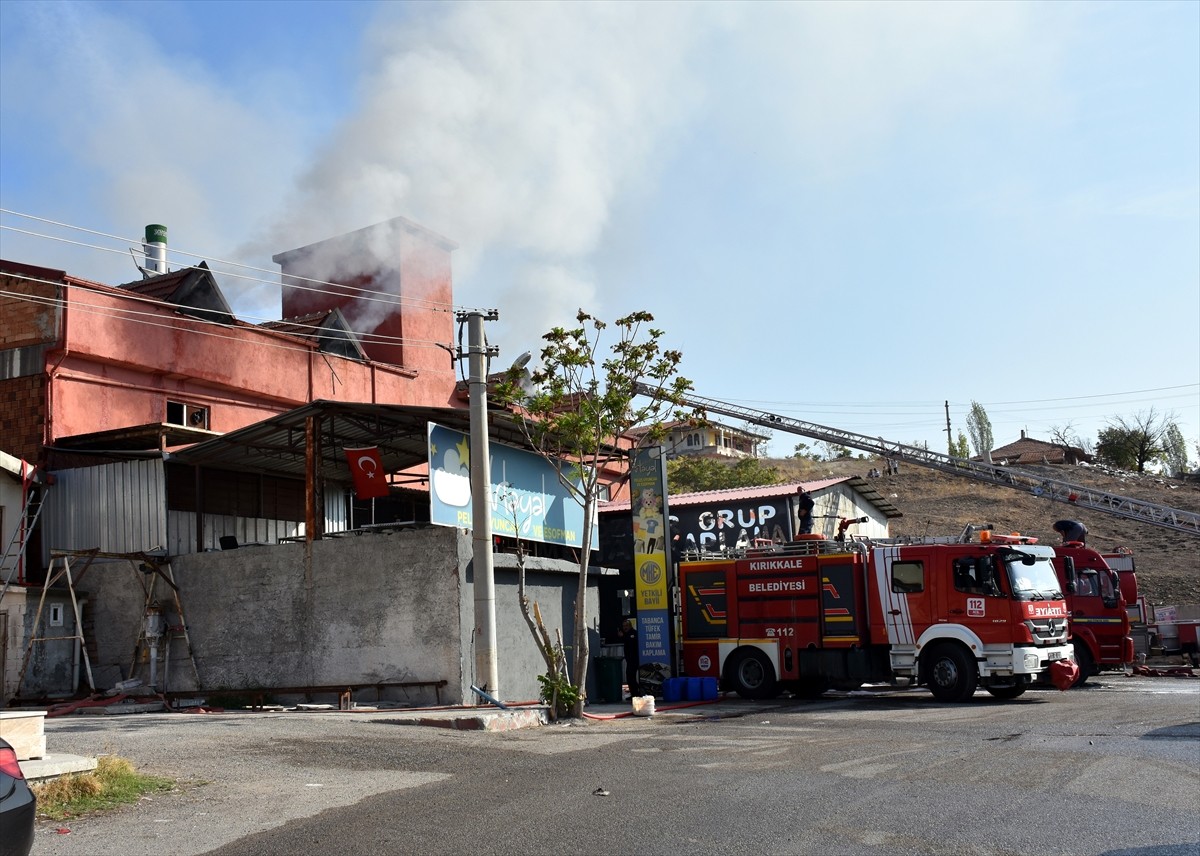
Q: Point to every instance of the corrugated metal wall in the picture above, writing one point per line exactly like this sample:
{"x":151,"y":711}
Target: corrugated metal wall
{"x":120,"y":508}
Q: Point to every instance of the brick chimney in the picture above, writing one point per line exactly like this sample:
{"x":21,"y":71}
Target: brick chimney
{"x":392,"y":282}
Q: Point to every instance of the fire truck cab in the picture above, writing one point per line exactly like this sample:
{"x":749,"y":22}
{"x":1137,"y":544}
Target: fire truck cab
{"x":814,"y":615}
{"x":1099,"y":617}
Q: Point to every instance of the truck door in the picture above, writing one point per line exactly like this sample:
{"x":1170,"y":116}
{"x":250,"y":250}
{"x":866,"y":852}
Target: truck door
{"x":973,"y":595}
{"x":900,"y":582}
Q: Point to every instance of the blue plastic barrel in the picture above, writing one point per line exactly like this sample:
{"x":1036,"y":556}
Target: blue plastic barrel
{"x":673,"y":689}
{"x":694,"y":689}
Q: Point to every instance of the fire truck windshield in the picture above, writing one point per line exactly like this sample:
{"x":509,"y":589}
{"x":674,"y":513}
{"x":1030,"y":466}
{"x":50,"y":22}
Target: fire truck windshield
{"x":1032,"y":578}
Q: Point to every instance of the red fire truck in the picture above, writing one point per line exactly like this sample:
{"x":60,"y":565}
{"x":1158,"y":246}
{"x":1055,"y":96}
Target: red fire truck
{"x":1098,"y":613}
{"x":814,"y":615}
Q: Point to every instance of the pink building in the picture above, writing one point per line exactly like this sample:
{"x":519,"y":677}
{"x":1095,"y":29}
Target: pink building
{"x":99,"y":383}
{"x":162,"y":362}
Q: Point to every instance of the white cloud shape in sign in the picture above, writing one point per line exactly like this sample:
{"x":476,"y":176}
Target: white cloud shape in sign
{"x":452,"y":480}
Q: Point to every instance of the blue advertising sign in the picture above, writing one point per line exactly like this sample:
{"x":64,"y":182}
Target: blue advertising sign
{"x":526,"y":497}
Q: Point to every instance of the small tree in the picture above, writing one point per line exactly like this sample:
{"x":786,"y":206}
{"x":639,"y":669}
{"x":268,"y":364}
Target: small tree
{"x":691,"y":473}
{"x":980,"y":429}
{"x":959,"y":448}
{"x":558,"y":692}
{"x":806,"y":452}
{"x":1175,"y":454}
{"x":1133,"y":442}
{"x":578,"y":409}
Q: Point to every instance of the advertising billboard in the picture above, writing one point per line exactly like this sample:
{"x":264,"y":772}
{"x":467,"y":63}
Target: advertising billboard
{"x":525,"y":496}
{"x":647,"y":491}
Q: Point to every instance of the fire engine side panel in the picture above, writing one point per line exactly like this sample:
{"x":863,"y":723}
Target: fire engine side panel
{"x":706,"y":615}
{"x":777,"y":598}
{"x":843,"y":602}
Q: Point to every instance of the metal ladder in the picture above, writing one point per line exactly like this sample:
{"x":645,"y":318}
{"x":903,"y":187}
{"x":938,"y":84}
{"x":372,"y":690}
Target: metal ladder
{"x":15,"y":552}
{"x":1055,"y":490}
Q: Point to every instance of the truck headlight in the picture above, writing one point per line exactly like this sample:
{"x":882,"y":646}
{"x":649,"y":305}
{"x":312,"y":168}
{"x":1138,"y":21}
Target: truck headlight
{"x":1031,"y":662}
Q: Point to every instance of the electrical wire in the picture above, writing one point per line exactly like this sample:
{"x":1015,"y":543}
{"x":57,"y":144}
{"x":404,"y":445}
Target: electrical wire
{"x":125,"y":315}
{"x":292,"y":279}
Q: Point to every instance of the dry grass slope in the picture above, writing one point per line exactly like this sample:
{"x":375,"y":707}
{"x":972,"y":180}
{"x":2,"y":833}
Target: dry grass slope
{"x":937,"y":503}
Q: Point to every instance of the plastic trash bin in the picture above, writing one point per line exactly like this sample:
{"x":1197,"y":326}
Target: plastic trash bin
{"x":608,"y":680}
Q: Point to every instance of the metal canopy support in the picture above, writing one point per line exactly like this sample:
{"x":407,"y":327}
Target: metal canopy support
{"x":60,"y":568}
{"x":1077,"y":495}
{"x":157,"y":568}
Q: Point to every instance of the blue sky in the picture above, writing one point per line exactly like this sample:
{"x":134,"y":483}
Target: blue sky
{"x":846,"y":213}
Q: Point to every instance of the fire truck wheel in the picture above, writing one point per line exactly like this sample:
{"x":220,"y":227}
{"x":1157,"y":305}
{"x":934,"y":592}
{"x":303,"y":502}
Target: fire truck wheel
{"x":752,"y":674}
{"x":1007,"y":692}
{"x":1087,"y":665}
{"x":950,"y":673}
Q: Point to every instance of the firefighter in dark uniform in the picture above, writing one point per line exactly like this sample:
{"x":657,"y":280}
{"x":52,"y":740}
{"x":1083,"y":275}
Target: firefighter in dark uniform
{"x":804,"y":508}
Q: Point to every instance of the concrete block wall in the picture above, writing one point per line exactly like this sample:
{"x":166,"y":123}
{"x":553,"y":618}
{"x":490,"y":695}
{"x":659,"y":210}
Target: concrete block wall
{"x":377,"y":608}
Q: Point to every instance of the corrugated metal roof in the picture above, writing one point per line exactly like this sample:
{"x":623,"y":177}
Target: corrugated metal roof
{"x":276,"y":446}
{"x":772,"y":491}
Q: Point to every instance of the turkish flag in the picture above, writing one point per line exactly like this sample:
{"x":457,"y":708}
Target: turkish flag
{"x":370,"y":481}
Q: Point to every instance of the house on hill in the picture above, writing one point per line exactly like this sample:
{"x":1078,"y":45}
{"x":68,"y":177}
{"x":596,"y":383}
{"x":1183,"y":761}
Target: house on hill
{"x":1027,"y":450}
{"x":710,"y":440}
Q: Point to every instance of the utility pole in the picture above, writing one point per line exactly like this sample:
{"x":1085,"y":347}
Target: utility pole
{"x":487,"y":670}
{"x":949,"y":436}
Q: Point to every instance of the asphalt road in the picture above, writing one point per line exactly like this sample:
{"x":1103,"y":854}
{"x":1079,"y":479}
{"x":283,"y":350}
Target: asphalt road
{"x":1108,"y":769}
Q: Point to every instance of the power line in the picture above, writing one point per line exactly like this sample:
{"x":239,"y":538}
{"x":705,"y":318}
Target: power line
{"x":292,"y":279}
{"x":129,"y":316}
{"x":362,"y":293}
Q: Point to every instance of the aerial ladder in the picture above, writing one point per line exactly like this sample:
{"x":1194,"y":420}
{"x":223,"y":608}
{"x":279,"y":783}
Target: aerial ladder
{"x":1055,"y":490}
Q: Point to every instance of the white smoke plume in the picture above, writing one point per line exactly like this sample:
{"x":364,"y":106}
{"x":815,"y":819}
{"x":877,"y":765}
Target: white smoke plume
{"x":509,"y":128}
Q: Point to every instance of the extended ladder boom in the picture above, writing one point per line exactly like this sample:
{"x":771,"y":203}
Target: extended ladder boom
{"x":1077,"y":495}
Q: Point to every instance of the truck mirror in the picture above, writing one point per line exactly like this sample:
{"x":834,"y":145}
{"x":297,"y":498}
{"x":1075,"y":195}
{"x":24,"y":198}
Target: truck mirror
{"x":1069,"y":567}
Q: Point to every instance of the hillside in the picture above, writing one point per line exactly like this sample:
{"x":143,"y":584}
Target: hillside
{"x":936,"y":503}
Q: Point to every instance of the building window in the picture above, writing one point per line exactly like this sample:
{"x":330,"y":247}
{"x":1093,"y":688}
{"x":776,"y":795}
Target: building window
{"x":189,"y":415}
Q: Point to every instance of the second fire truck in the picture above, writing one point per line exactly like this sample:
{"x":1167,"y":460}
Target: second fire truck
{"x":814,"y":615}
{"x":1098,"y":610}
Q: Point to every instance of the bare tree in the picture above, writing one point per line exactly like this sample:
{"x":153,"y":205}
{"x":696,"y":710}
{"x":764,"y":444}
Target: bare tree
{"x":1132,"y":442}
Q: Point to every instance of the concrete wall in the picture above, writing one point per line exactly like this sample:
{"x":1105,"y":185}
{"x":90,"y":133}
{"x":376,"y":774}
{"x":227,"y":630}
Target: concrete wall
{"x":54,"y":666}
{"x":377,"y":608}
